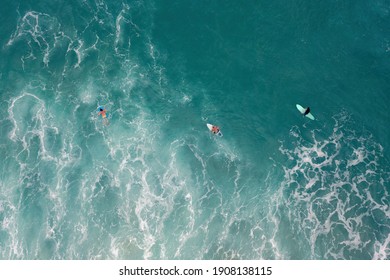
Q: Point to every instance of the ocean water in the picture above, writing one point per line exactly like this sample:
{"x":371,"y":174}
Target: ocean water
{"x":154,"y":183}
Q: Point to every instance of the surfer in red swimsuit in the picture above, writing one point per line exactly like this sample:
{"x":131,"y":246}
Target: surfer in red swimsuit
{"x":103,"y":113}
{"x":215,"y":129}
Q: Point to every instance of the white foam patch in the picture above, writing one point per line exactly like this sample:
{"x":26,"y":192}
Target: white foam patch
{"x":328,"y":192}
{"x":186,"y":99}
{"x":29,"y":116}
{"x":41,"y":151}
{"x":161,"y":196}
{"x":44,"y":36}
{"x":89,"y":94}
{"x":37,"y":29}
{"x":382,"y":250}
{"x":120,"y":19}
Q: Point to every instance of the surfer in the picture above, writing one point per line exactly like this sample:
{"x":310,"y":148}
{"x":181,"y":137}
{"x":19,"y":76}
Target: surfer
{"x":306,"y":112}
{"x":103,"y":113}
{"x":215,"y":129}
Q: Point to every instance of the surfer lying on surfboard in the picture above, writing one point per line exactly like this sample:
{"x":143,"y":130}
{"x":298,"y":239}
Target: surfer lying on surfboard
{"x":103,"y":113}
{"x":305,"y":112}
{"x":215,"y":129}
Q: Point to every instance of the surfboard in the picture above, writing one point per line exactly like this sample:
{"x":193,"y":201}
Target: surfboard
{"x":210,"y":127}
{"x":302,"y":110}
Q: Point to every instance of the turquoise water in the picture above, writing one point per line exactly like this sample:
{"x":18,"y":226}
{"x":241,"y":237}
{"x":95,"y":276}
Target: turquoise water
{"x":154,"y":183}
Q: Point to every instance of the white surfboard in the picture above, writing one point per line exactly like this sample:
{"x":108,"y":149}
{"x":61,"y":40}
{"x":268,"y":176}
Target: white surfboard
{"x":302,"y":110}
{"x":210,"y":127}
